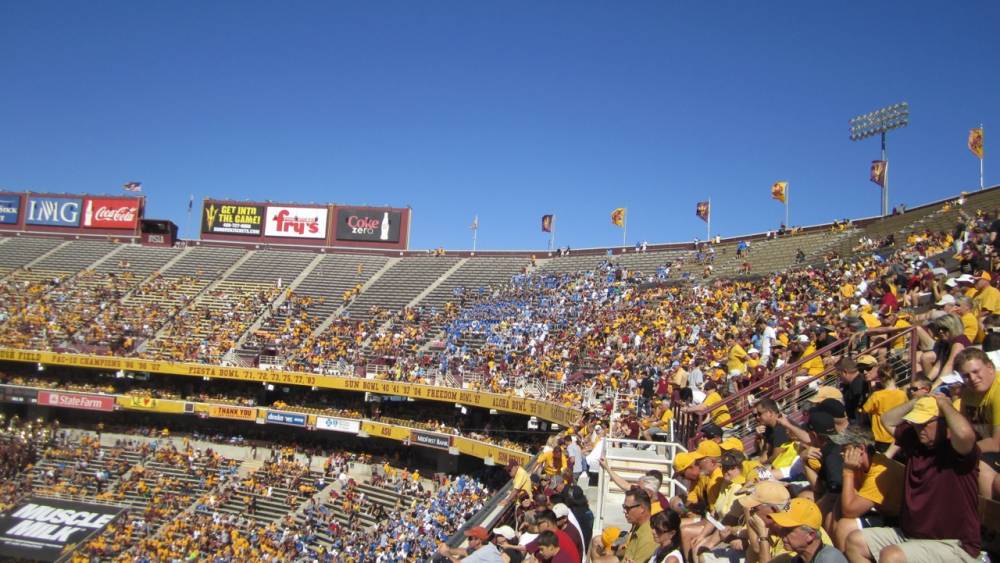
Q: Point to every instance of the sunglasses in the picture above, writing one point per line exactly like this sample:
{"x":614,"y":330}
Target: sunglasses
{"x":628,"y":507}
{"x":912,"y":389}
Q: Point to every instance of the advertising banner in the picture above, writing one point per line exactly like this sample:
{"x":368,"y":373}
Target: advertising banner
{"x":53,"y":211}
{"x":367,"y":224}
{"x":224,"y":219}
{"x":551,"y":411}
{"x":110,"y":212}
{"x":380,"y":430}
{"x":18,"y":395}
{"x":76,"y":401}
{"x":338,"y":424}
{"x":296,"y":222}
{"x":232,"y":412}
{"x":289,"y":418}
{"x":44,"y":529}
{"x":430,"y":440}
{"x":10,"y":206}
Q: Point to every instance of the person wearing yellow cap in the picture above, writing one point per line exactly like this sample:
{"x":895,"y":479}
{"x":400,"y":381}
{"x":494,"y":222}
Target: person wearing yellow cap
{"x":800,"y":527}
{"x":986,"y":297}
{"x":706,"y":490}
{"x":602,"y":547}
{"x":940,"y":491}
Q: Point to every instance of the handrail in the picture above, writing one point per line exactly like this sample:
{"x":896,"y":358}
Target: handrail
{"x":690,"y":421}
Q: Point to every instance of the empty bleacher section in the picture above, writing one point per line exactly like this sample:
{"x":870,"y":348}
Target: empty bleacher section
{"x":140,"y":261}
{"x":400,"y":284}
{"x":476,"y":275}
{"x":269,"y":493}
{"x":205,"y":262}
{"x":19,"y":251}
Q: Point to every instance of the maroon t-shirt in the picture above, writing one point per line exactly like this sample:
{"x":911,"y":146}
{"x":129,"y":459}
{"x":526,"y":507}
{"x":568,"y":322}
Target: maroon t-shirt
{"x":941,"y":491}
{"x":567,"y":548}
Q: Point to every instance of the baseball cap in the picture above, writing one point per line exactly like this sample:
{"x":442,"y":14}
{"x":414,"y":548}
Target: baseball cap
{"x":711,"y":430}
{"x":866,"y":360}
{"x":708,"y":448}
{"x":477,"y":532}
{"x":609,"y":535}
{"x":766,"y":492}
{"x":826,"y":392}
{"x":753,"y":351}
{"x":965,"y":278}
{"x":801,"y":512}
{"x":560,"y":510}
{"x":947,"y":299}
{"x":832,"y":407}
{"x":985,"y":276}
{"x":733,"y":444}
{"x":505,"y":531}
{"x":821,"y":422}
{"x":683,"y":460}
{"x":925,"y":409}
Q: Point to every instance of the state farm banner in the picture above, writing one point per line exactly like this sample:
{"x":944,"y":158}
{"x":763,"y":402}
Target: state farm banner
{"x":289,"y":418}
{"x":76,"y":401}
{"x":338,"y":424}
{"x":43,"y":529}
{"x":367,"y":224}
{"x":110,"y":213}
{"x":53,"y":211}
{"x":10,"y":208}
{"x":296,"y":222}
{"x":227,"y":219}
{"x":232,"y":412}
{"x":440,"y":441}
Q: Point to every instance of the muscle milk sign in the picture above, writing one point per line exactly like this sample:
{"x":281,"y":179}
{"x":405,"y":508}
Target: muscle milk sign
{"x":48,"y":529}
{"x":296,"y":222}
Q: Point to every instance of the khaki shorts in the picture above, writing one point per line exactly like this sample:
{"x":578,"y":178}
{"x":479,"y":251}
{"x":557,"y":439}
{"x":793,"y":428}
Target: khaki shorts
{"x":921,"y":551}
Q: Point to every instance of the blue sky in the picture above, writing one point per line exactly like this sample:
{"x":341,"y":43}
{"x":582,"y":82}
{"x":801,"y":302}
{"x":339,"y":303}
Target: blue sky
{"x":508,"y":110}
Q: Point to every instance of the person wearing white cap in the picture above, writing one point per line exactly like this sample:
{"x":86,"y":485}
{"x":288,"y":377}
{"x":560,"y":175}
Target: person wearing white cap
{"x":567,"y":523}
{"x":506,"y":541}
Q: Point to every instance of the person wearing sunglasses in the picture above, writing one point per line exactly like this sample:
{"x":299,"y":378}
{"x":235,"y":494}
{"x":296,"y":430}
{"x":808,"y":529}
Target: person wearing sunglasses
{"x":666,"y":528}
{"x":639,"y":544}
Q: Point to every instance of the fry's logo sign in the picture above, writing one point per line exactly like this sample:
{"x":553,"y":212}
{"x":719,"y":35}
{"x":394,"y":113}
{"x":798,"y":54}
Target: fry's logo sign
{"x":296,"y":222}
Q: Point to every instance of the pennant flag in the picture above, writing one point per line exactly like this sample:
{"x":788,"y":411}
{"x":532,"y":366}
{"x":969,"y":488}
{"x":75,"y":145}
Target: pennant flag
{"x":475,"y":223}
{"x":878,"y":171}
{"x":618,"y":217}
{"x":191,"y":203}
{"x":133,"y":187}
{"x":976,"y":141}
{"x":778,"y":191}
{"x":702,"y":210}
{"x":547,"y":223}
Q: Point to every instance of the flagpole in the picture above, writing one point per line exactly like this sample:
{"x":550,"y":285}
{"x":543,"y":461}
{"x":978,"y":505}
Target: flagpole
{"x":708,"y":223}
{"x":786,"y":206}
{"x":625,"y":228}
{"x":187,"y":226}
{"x":983,"y":130}
{"x":475,"y":232}
{"x":552,"y":234}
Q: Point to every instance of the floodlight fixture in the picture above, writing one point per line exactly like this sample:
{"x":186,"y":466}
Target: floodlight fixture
{"x":880,"y":122}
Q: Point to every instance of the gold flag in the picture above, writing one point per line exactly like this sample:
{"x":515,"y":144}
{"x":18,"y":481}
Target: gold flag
{"x":778,"y":191}
{"x":877,"y":173}
{"x":618,"y":217}
{"x":976,"y":141}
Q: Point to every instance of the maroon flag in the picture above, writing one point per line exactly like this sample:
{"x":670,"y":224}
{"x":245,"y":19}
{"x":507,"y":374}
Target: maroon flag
{"x":878,"y":172}
{"x":702,"y":210}
{"x":547,"y":223}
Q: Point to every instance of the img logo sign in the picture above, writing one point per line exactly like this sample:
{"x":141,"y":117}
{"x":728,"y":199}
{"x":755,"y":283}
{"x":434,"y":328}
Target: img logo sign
{"x":53,"y":211}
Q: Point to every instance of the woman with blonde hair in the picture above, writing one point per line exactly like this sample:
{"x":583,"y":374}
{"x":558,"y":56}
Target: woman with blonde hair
{"x":940,"y":342}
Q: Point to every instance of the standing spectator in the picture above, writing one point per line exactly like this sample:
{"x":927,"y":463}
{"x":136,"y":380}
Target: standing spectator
{"x":940,"y":516}
{"x":854,"y":388}
{"x":639,"y":543}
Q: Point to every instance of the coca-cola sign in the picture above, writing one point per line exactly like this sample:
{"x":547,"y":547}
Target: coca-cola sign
{"x":76,"y":401}
{"x":368,"y":224}
{"x":110,"y":213}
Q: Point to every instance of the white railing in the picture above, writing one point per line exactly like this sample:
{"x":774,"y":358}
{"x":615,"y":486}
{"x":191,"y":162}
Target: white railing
{"x":618,"y":452}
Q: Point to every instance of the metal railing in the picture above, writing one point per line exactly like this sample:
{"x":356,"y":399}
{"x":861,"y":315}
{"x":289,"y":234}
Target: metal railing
{"x":788,"y":384}
{"x":619,"y":451}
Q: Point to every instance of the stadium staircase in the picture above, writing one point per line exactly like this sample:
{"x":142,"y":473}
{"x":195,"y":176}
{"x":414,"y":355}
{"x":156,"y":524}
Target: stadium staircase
{"x":346,"y":284}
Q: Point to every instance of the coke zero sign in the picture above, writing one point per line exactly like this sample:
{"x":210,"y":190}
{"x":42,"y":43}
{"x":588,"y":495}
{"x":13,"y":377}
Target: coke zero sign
{"x":110,"y":213}
{"x":367,"y":224}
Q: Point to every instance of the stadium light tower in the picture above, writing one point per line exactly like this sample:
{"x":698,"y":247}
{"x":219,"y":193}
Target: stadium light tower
{"x":881,"y":121}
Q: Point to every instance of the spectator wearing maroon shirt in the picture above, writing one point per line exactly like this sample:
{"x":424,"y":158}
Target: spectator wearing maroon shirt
{"x":940,"y":516}
{"x":547,"y":521}
{"x":550,"y":548}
